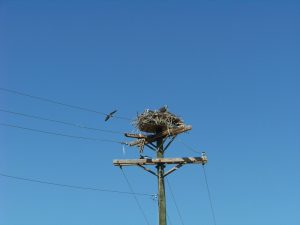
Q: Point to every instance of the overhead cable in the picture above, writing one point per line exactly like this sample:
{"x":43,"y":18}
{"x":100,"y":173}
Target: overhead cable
{"x":60,"y":122}
{"x":175,"y":202}
{"x":60,"y":134}
{"x":135,"y":198}
{"x":59,"y":103}
{"x":71,"y":186}
{"x":209,"y":197}
{"x":191,"y":149}
{"x":169,"y":219}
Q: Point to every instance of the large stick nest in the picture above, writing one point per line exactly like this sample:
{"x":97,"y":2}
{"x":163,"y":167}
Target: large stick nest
{"x":157,"y":121}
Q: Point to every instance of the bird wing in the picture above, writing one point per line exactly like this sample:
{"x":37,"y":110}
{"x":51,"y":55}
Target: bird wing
{"x":113,"y":112}
{"x":108,"y":116}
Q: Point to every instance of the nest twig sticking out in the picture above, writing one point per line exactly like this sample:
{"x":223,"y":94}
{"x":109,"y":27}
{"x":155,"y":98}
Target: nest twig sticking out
{"x":157,"y":121}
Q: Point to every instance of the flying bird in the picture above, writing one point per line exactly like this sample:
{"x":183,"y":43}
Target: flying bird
{"x":110,"y":115}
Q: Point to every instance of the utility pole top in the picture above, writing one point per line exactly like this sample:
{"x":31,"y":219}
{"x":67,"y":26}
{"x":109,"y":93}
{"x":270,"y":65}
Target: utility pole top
{"x":158,"y":127}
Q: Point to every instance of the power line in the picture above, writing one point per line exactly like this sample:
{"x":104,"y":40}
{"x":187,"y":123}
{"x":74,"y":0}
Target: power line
{"x":190,"y":148}
{"x":169,"y":219}
{"x":209,"y":196}
{"x":136,"y":200}
{"x":59,"y":103}
{"x":175,"y":203}
{"x":71,"y":186}
{"x":60,"y":134}
{"x":60,"y":122}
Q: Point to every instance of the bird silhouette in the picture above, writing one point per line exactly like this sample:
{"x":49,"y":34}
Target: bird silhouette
{"x":110,"y":115}
{"x":163,"y":109}
{"x":145,"y":157}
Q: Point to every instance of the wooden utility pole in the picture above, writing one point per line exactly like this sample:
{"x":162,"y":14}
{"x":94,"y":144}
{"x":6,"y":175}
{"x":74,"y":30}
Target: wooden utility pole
{"x":156,"y":143}
{"x":162,"y":214}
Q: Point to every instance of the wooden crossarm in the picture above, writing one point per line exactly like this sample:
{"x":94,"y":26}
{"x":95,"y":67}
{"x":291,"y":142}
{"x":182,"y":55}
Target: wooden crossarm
{"x":184,"y":160}
{"x":138,"y":136}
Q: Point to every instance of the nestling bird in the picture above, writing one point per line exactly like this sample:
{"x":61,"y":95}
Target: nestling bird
{"x":163,"y":109}
{"x":110,"y":115}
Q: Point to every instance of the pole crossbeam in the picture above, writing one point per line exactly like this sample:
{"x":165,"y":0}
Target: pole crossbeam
{"x":138,"y":136}
{"x":183,"y":160}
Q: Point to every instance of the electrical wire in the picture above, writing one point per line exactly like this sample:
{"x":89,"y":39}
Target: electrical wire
{"x":71,"y":186}
{"x":59,"y":103}
{"x":60,"y":134}
{"x":190,"y":148}
{"x":136,"y":199}
{"x":174,"y":200}
{"x":206,"y":182}
{"x":60,"y":122}
{"x":169,"y":219}
{"x":209,"y":196}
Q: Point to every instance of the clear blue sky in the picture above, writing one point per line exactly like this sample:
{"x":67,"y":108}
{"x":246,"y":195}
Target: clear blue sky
{"x":229,"y":68}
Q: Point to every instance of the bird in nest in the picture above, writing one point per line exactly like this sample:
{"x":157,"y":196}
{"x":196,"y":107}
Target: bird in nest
{"x":163,"y":109}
